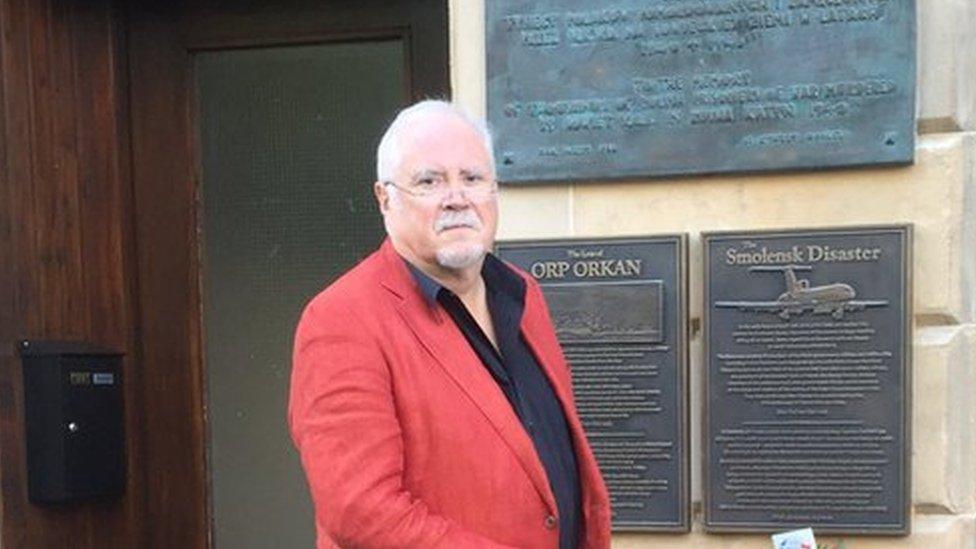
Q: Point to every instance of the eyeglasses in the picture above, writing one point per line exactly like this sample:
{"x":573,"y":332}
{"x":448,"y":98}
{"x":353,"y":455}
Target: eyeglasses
{"x":430,"y":185}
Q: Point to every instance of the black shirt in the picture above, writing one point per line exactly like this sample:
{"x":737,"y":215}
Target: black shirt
{"x":518,"y":374}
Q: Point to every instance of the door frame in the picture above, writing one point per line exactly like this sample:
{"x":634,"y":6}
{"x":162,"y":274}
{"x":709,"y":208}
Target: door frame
{"x":169,"y":365}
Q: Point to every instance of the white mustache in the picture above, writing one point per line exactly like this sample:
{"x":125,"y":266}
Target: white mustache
{"x":454,"y":219}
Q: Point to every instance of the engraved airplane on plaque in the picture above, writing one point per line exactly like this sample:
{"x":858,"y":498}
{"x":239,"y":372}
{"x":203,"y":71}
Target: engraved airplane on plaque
{"x":800,"y":297}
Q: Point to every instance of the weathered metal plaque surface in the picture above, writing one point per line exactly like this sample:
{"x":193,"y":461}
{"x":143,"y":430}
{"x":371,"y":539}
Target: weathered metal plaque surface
{"x":618,"y":306}
{"x":808,"y":351}
{"x":619,"y":88}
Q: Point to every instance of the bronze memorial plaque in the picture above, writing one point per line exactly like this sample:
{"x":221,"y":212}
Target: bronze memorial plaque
{"x":625,"y":88}
{"x":808,"y":346}
{"x":619,"y":309}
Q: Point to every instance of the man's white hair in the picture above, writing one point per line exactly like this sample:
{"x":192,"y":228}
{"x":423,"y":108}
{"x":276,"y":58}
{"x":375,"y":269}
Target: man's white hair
{"x":388,"y":151}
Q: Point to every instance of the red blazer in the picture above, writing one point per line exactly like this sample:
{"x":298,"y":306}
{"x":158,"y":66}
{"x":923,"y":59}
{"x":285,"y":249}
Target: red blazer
{"x":406,"y":439}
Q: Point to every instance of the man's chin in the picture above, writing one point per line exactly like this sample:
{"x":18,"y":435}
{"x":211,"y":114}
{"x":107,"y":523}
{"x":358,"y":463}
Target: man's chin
{"x":460,"y":256}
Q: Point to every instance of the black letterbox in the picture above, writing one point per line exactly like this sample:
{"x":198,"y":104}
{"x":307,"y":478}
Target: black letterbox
{"x":73,"y":417}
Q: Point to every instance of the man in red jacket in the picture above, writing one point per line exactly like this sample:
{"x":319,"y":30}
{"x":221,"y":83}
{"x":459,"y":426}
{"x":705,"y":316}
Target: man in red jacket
{"x":430,"y":401}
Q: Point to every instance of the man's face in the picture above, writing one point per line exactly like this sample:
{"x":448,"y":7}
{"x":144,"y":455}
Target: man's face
{"x":447,"y":230}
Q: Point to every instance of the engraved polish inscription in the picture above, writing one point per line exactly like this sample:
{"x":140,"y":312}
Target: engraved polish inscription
{"x":617,"y":308}
{"x":662,"y":87}
{"x":807,"y":380}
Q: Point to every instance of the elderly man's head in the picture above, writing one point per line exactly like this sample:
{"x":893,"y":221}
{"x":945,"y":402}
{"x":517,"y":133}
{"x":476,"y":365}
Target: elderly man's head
{"x":436,"y":186}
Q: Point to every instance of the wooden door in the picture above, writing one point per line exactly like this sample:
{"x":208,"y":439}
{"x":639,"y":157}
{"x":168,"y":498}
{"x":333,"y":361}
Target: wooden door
{"x":239,"y":218}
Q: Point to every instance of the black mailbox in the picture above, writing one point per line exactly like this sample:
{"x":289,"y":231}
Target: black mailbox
{"x":73,"y":416}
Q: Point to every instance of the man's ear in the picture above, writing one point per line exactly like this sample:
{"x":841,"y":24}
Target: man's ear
{"x":382,"y":196}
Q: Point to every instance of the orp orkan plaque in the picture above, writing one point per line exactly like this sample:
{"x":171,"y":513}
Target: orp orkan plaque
{"x":620,"y":88}
{"x":808,"y":350}
{"x":618,"y":306}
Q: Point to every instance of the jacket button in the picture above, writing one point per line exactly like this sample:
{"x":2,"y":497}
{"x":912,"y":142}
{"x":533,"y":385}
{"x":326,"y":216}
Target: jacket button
{"x":550,"y":522}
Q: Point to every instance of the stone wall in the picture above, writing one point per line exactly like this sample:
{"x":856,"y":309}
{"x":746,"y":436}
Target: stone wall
{"x":936,"y":194}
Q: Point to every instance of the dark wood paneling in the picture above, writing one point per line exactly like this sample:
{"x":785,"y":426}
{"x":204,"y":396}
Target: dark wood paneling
{"x":64,"y":249}
{"x":104,"y":183}
{"x":164,"y":196}
{"x":13,"y":270}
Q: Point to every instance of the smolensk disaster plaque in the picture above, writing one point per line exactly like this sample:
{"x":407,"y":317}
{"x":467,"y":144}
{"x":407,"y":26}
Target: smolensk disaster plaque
{"x":619,"y":308}
{"x":620,"y":88}
{"x":807,"y":338}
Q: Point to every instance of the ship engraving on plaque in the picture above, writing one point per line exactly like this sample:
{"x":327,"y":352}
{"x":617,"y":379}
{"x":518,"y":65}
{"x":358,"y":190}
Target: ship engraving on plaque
{"x":618,"y":307}
{"x":807,"y":342}
{"x":629,"y":88}
{"x":614,"y":312}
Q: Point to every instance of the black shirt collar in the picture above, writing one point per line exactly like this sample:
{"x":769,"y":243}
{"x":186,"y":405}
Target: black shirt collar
{"x":428,"y":286}
{"x":499,"y":278}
